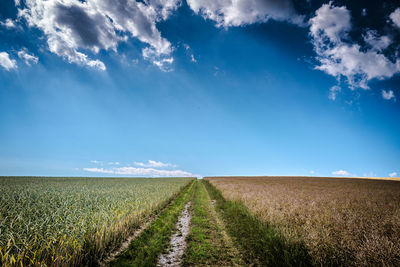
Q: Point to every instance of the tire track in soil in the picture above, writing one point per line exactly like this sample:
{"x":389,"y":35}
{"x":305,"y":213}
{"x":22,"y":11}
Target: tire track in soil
{"x":113,"y":255}
{"x":173,"y":257}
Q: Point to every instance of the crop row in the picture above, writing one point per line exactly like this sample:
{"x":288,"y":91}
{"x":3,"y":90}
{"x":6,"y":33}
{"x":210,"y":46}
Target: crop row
{"x":71,"y":221}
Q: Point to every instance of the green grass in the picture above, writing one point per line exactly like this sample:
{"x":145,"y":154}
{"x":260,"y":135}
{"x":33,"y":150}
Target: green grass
{"x":206,"y":246}
{"x":262,"y":244}
{"x":74,"y":221}
{"x":145,"y":250}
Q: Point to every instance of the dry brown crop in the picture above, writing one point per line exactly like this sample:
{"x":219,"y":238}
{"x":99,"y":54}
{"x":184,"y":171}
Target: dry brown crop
{"x":341,"y":221}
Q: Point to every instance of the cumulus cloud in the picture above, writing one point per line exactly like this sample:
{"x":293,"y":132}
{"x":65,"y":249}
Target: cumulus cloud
{"x":29,"y":59}
{"x":395,"y":17}
{"x":339,"y":57}
{"x":141,"y":172}
{"x":154,"y":164}
{"x":393,"y":174}
{"x":341,"y":173}
{"x":6,"y":62}
{"x":73,"y":27}
{"x":330,"y":23}
{"x":388,"y":95}
{"x":333,"y":92}
{"x":243,"y":12}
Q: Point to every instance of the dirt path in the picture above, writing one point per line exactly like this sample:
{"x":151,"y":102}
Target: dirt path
{"x":178,"y":240}
{"x":112,"y":256}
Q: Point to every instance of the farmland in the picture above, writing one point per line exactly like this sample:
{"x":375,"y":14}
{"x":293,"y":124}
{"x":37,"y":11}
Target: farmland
{"x":348,"y":222}
{"x":64,"y":221}
{"x":230,"y":221}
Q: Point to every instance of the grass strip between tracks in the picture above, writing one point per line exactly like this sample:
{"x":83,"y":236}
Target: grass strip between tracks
{"x":145,"y":250}
{"x":261,"y":243}
{"x":206,"y":244}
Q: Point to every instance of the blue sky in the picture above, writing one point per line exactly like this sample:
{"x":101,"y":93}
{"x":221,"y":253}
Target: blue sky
{"x":197,"y":87}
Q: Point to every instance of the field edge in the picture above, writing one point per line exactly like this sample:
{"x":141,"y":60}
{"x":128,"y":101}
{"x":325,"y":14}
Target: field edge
{"x":261,"y":243}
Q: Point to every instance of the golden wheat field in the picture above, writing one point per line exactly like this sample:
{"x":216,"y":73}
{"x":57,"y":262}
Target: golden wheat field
{"x":350,"y":222}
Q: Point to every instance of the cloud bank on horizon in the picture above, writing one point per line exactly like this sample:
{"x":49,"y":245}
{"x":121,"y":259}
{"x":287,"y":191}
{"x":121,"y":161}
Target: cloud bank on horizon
{"x":78,"y":30}
{"x":152,"y":168}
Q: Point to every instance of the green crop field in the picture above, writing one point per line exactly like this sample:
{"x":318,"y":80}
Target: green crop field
{"x":74,"y":221}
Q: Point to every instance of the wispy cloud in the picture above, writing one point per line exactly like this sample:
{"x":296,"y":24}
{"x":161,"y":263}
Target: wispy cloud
{"x":388,"y":95}
{"x":29,"y":59}
{"x":341,"y":173}
{"x":333,"y":92}
{"x":154,"y":164}
{"x":189,"y":53}
{"x":393,"y":174}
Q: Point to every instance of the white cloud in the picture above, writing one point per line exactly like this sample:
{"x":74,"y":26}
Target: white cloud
{"x":339,"y":57}
{"x":388,"y":94}
{"x":9,"y":24}
{"x":141,"y":172}
{"x":364,"y":12}
{"x":333,"y":92}
{"x":393,"y":174}
{"x":395,"y":17}
{"x":341,"y":173}
{"x":114,"y":163}
{"x":162,"y":61}
{"x":95,"y":162}
{"x":243,"y":12}
{"x":6,"y":62}
{"x":154,"y":164}
{"x":73,"y":27}
{"x":99,"y":170}
{"x":189,"y":53}
{"x":17,"y":3}
{"x":376,"y":42}
{"x":330,"y":23}
{"x":28,"y":58}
